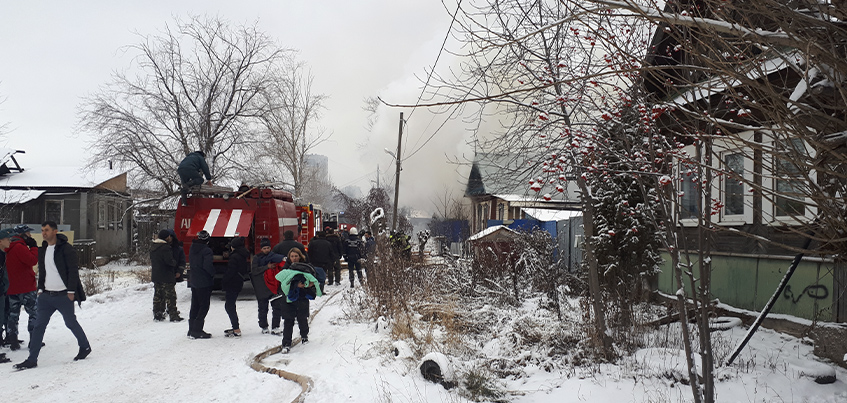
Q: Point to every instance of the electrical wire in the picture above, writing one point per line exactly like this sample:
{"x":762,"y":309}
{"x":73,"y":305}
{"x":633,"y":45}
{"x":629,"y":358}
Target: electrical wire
{"x":429,"y":76}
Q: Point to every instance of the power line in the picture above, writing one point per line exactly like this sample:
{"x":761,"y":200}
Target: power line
{"x":432,"y":70}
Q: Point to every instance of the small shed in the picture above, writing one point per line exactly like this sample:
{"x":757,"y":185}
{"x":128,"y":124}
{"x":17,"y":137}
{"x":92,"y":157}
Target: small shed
{"x":494,"y":254}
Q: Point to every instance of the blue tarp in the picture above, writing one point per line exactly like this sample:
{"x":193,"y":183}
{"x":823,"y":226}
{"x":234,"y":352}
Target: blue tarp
{"x":454,"y":230}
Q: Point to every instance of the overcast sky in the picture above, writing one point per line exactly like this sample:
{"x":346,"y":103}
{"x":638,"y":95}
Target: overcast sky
{"x":52,"y":54}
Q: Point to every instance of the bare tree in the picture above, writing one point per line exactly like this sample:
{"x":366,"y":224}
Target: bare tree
{"x":200,"y":85}
{"x":290,"y":131}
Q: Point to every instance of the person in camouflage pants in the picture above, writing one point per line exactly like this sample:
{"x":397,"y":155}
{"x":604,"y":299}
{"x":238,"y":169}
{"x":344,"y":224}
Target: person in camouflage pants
{"x":164,"y":294}
{"x":164,"y":273}
{"x":16,"y":302}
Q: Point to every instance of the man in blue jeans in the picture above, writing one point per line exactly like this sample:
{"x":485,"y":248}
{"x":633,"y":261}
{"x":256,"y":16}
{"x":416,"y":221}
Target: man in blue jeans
{"x":58,"y":288}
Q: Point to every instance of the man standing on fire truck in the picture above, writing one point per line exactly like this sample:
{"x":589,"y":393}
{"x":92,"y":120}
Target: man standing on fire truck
{"x":191,"y":171}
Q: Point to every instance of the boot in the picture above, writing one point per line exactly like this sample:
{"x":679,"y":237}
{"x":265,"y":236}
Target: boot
{"x":83,"y":352}
{"x":14,"y":343}
{"x":27,"y":364}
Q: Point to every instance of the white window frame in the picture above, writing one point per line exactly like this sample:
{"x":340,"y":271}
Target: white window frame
{"x":722,"y":149}
{"x":769,"y":216}
{"x":691,"y":221}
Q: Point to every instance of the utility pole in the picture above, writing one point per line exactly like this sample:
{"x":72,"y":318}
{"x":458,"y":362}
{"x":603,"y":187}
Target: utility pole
{"x":397,"y":175}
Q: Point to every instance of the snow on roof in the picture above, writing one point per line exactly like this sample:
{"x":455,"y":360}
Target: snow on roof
{"x":58,"y":177}
{"x":720,"y":84}
{"x":488,"y":231}
{"x":541,"y":214}
{"x":15,"y":196}
{"x":169,"y":203}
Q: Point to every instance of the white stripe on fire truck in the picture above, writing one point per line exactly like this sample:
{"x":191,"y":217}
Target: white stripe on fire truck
{"x":232,"y":225}
{"x":287,"y":221}
{"x":212,"y":220}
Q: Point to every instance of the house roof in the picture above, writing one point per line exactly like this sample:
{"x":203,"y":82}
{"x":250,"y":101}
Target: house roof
{"x":496,"y":173}
{"x":507,"y":177}
{"x":541,"y":214}
{"x":61,"y":177}
{"x":15,"y":196}
{"x":488,"y":232}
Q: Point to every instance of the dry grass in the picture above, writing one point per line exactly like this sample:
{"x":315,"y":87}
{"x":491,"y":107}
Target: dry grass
{"x":144,"y":275}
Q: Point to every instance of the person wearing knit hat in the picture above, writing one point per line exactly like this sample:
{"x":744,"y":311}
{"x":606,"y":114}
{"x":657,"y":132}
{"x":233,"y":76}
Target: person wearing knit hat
{"x":164,"y":275}
{"x":258,"y":266}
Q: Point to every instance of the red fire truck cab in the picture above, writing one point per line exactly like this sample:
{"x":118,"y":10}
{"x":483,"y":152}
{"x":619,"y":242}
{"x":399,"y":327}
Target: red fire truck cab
{"x":260,"y":213}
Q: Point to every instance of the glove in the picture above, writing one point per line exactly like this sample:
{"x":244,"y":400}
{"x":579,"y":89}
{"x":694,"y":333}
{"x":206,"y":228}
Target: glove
{"x":31,"y":243}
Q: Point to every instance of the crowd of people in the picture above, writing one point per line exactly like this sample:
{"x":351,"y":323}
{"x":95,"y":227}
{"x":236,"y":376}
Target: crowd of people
{"x":44,"y":279}
{"x":284,"y":277}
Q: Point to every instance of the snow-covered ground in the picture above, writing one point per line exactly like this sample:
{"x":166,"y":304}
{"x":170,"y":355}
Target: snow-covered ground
{"x":135,"y":359}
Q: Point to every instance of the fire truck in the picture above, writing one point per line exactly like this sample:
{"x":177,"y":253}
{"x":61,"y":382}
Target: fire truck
{"x":255,"y":214}
{"x":311,"y":221}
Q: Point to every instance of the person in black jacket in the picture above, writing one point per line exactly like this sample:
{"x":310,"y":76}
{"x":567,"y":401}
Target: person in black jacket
{"x":333,"y":272}
{"x":353,"y":248}
{"x":237,"y":270}
{"x":58,"y":288}
{"x":287,"y":243}
{"x":258,"y":266}
{"x":200,"y":280}
{"x":179,"y":255}
{"x":321,"y":254}
{"x":164,"y":278}
{"x":297,"y":299}
{"x":191,"y":171}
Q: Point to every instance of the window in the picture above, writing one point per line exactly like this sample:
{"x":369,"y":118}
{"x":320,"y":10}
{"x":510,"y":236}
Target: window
{"x":101,"y":214}
{"x":690,"y":192}
{"x":113,"y":214}
{"x":501,"y":211}
{"x":788,"y":183}
{"x":53,"y":210}
{"x":479,"y":217}
{"x":733,"y":188}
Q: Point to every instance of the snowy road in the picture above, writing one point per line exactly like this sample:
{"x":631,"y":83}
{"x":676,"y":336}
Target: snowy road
{"x":135,"y":359}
